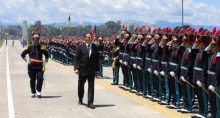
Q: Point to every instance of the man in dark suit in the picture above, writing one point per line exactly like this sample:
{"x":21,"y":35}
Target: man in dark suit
{"x":87,"y":67}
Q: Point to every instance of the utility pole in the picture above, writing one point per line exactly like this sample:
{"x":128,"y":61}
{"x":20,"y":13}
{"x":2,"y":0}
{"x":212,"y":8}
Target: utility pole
{"x":182,"y":15}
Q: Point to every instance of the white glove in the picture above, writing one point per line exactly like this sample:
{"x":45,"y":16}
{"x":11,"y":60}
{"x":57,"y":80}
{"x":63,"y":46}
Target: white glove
{"x":134,"y":65}
{"x":120,"y":61}
{"x":172,"y":73}
{"x":139,"y":67}
{"x":149,"y":70}
{"x":211,"y":88}
{"x":162,"y":73}
{"x":114,"y":59}
{"x":156,"y":72}
{"x":199,"y":83}
{"x":183,"y":79}
{"x":126,"y":63}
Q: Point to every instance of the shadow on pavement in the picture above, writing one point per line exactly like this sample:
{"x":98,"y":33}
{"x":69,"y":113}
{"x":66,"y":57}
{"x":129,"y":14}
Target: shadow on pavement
{"x":50,"y":96}
{"x":104,"y":105}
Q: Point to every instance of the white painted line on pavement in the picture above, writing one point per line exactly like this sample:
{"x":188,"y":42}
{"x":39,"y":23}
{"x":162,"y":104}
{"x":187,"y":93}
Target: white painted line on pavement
{"x":2,"y":46}
{"x":9,"y":90}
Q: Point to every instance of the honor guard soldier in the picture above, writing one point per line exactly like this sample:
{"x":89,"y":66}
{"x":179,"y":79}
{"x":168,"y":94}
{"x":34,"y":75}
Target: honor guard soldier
{"x":115,"y":61}
{"x":147,"y":66}
{"x":176,"y":51}
{"x":186,"y":73}
{"x":217,"y":74}
{"x":163,"y":85}
{"x":101,"y":47}
{"x":140,"y":62}
{"x":133,"y":51}
{"x":35,"y":64}
{"x":213,"y":50}
{"x":199,"y":73}
{"x":155,"y":62}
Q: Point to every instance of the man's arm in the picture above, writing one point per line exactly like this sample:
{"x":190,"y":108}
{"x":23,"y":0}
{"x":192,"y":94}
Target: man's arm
{"x":45,"y":52}
{"x":25,"y":52}
{"x":76,"y":64}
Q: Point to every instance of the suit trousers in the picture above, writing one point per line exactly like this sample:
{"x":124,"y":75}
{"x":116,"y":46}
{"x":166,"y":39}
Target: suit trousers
{"x":81,"y":82}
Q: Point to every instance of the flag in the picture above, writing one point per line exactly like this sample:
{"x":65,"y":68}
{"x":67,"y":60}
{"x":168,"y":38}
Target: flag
{"x":94,"y":31}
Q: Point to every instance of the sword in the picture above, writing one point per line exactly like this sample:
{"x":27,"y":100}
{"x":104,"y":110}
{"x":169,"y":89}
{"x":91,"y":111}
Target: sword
{"x":216,"y":94}
{"x":190,"y":84}
{"x":177,"y":80}
{"x":44,"y":69}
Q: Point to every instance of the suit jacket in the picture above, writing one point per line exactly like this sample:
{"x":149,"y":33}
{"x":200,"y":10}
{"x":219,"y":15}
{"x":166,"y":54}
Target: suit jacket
{"x":85,"y":64}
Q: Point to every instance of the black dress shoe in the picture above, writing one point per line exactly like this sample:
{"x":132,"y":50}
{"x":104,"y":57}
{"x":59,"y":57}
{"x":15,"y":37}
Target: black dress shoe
{"x":91,"y":106}
{"x":80,"y":102}
{"x":39,"y":96}
{"x":114,"y":84}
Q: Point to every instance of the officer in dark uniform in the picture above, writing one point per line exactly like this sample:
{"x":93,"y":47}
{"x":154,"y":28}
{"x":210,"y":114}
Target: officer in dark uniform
{"x":35,"y":64}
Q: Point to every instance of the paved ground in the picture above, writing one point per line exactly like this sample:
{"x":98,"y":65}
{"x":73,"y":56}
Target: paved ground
{"x":60,"y":94}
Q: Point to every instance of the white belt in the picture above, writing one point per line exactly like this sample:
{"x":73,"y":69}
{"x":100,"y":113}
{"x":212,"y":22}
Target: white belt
{"x":138,"y":58}
{"x":34,"y":60}
{"x":184,"y":68}
{"x":210,"y":72}
{"x":196,"y":68}
{"x":148,"y":58}
{"x":173,"y":64}
{"x":164,"y":62}
{"x":155,"y":60}
{"x":132,"y":57}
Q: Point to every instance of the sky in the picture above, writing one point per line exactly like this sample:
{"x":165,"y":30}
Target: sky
{"x":199,"y":12}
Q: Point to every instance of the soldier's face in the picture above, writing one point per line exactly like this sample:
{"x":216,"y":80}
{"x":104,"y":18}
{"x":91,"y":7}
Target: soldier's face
{"x":36,"y":39}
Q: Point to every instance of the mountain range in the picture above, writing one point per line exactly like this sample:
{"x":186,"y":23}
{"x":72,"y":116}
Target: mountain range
{"x":159,"y":23}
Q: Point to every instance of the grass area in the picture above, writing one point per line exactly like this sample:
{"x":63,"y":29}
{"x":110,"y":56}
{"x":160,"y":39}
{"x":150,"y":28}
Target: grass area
{"x":1,"y":43}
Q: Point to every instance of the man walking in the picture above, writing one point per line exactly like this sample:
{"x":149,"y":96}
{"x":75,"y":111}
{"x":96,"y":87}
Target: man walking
{"x":87,"y":67}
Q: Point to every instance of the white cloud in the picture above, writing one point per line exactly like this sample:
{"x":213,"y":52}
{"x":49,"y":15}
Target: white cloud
{"x":49,"y":11}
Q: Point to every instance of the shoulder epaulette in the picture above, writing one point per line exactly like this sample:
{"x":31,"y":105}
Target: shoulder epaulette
{"x":43,"y":47}
{"x":26,"y":47}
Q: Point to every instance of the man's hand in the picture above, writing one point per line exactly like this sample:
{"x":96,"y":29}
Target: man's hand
{"x":199,"y":83}
{"x":211,"y":88}
{"x":172,"y":73}
{"x":183,"y":79}
{"x":76,"y":71}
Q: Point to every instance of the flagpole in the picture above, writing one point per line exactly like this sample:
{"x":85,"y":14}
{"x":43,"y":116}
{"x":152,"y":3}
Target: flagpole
{"x":182,"y":15}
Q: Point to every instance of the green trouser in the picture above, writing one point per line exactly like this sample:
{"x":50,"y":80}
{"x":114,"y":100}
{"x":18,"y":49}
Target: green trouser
{"x":218,"y":102}
{"x":177,"y":92}
{"x":144,"y":81}
{"x":160,"y":88}
{"x":151,"y":84}
{"x":116,"y":74}
{"x":205,"y":103}
{"x":101,"y":69}
{"x":167,"y":92}
{"x":130,"y":82}
{"x":188,"y":98}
